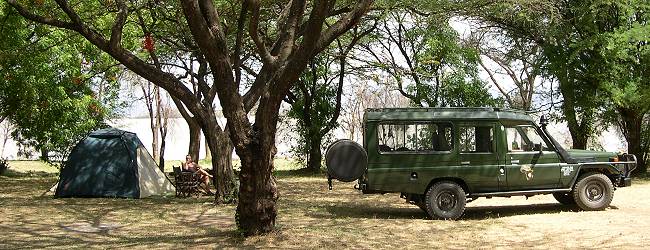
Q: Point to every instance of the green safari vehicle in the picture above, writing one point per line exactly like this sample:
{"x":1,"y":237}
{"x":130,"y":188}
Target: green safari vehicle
{"x":441,"y":158}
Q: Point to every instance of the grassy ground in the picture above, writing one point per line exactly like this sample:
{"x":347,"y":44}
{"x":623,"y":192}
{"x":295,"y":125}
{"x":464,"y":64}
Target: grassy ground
{"x":281,"y":164}
{"x":310,"y":216}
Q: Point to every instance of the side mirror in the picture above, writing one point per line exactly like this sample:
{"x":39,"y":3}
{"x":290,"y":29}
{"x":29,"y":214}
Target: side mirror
{"x":543,"y":121}
{"x":537,"y":147}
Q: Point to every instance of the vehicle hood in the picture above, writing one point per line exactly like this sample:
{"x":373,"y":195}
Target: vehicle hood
{"x":581,"y":155}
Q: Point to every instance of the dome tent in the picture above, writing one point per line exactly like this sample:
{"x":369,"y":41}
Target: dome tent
{"x":111,"y":163}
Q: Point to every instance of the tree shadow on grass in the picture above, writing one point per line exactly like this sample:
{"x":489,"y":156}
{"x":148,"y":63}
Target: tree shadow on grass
{"x":87,"y":226}
{"x":303,"y":172}
{"x":10,"y":173}
{"x":487,"y":212}
{"x":343,"y":210}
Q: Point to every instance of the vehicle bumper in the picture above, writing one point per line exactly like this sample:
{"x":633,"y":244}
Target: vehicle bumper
{"x":625,"y":182}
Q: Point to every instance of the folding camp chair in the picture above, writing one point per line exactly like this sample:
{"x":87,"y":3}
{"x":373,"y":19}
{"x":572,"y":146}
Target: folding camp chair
{"x":187,"y":183}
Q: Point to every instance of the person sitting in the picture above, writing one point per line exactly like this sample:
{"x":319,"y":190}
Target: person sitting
{"x":190,"y":166}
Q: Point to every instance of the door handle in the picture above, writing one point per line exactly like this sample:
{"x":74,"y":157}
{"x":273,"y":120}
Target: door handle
{"x":514,"y":161}
{"x":464,"y":163}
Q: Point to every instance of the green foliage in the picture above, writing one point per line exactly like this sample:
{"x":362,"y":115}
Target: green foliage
{"x":625,"y":74}
{"x":571,"y":36}
{"x":427,"y":60}
{"x":314,"y":105}
{"x":460,"y":92}
{"x":627,"y":55}
{"x":54,"y":88}
{"x":598,"y":51}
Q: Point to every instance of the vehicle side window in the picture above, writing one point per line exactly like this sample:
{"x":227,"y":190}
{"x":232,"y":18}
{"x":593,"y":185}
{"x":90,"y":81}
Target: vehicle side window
{"x":523,"y":139}
{"x":414,"y":137}
{"x":476,"y":139}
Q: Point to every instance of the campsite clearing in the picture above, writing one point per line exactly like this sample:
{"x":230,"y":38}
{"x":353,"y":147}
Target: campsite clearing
{"x":310,"y":216}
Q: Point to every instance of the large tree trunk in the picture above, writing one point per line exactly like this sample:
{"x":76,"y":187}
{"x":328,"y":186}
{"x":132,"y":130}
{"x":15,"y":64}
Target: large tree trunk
{"x":221,"y":149}
{"x":208,"y":154}
{"x":631,"y":125}
{"x":256,"y":210}
{"x":222,"y":166}
{"x":578,"y":129}
{"x":579,"y":139}
{"x":195,"y":138}
{"x":315,"y":155}
{"x":45,"y":156}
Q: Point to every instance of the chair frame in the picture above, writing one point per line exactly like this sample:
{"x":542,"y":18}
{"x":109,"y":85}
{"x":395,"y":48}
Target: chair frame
{"x":187,"y":183}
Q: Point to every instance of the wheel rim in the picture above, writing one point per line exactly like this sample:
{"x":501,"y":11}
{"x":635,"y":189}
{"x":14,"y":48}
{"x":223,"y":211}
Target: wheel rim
{"x":446,"y":201}
{"x":594,"y":191}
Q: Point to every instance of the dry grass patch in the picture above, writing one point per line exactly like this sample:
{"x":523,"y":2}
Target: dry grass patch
{"x":310,"y":216}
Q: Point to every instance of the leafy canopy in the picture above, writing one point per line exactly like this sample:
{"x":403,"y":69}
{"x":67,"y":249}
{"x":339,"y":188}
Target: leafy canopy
{"x":54,"y":87}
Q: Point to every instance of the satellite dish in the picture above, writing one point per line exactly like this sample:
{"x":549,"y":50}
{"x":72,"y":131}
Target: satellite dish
{"x":346,"y":160}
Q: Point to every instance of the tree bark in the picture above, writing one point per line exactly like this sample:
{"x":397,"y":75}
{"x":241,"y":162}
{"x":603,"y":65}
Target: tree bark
{"x":195,"y":138}
{"x":580,"y":130}
{"x":45,"y":156}
{"x":161,"y":157}
{"x":631,"y":125}
{"x":222,"y":160}
{"x":315,"y":155}
{"x":208,"y":154}
{"x":579,"y":136}
{"x":221,"y":151}
{"x":256,"y":210}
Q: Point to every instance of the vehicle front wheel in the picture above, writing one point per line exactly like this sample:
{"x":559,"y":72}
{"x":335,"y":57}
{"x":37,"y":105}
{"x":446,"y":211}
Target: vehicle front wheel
{"x":593,"y":191}
{"x":445,"y":200}
{"x":564,"y":198}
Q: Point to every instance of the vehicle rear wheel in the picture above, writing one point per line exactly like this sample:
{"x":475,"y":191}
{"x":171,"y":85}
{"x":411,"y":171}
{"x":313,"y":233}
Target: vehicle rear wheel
{"x":564,"y":198}
{"x":593,"y":191}
{"x":445,"y":200}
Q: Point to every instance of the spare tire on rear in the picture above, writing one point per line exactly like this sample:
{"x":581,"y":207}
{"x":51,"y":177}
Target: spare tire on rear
{"x":346,"y":160}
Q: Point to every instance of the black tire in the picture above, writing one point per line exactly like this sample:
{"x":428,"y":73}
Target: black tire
{"x":565,"y":198}
{"x":593,"y":191}
{"x":445,"y":200}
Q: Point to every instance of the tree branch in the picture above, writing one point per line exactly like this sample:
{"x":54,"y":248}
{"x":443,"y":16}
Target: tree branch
{"x":120,"y":20}
{"x":496,"y":83}
{"x":285,"y":43}
{"x":343,"y":24}
{"x":40,"y":19}
{"x":253,"y":30}
{"x":236,"y":57}
{"x":129,"y":60}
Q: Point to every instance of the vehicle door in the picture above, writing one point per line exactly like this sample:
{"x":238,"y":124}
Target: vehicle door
{"x":478,"y":157}
{"x":530,"y":162}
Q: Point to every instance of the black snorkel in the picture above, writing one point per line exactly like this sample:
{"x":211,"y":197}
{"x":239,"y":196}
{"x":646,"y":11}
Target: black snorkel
{"x":543,"y":121}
